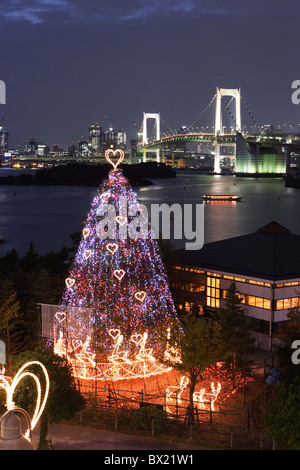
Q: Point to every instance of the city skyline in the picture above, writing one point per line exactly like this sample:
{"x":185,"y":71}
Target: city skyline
{"x":66,"y":63}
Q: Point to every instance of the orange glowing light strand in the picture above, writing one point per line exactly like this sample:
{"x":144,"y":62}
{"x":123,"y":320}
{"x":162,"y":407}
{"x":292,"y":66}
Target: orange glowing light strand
{"x":119,"y":366}
{"x":9,"y":385}
{"x":203,"y":397}
{"x":175,"y":391}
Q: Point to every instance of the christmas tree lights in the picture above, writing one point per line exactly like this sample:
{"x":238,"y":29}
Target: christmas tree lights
{"x":117,"y":291}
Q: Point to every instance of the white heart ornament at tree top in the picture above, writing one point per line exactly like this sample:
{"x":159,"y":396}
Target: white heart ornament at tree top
{"x":112,"y":248}
{"x":114,"y":153}
{"x":119,"y":273}
{"x":140,"y":295}
{"x":70,"y":282}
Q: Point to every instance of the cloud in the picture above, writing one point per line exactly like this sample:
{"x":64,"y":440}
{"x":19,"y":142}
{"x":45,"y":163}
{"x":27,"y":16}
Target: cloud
{"x":32,"y":11}
{"x":41,"y":11}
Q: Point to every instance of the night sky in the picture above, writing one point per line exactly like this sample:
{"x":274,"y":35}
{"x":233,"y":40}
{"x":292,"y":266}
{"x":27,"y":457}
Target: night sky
{"x":66,"y":62}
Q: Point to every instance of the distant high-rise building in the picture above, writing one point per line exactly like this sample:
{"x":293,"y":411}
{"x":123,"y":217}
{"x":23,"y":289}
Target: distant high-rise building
{"x":3,"y":141}
{"x":32,"y":146}
{"x":94,"y":137}
{"x":83,"y":148}
{"x":57,"y":150}
{"x":113,"y":139}
{"x":43,"y":150}
{"x":72,"y":150}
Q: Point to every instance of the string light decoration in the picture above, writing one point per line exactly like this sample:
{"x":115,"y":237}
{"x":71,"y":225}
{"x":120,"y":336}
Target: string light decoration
{"x":9,"y":385}
{"x":117,"y":282}
{"x":203,"y":398}
{"x":174,"y":391}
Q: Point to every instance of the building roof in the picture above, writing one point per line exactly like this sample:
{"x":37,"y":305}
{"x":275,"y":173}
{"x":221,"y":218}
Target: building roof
{"x":272,"y":252}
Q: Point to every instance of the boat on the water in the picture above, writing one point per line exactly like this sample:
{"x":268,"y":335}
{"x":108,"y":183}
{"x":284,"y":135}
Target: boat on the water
{"x":222,"y":197}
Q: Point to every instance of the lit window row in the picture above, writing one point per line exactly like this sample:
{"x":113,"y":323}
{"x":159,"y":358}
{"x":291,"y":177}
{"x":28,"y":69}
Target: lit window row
{"x":249,"y":281}
{"x":236,"y":278}
{"x":292,"y":302}
{"x":188,"y":286}
{"x":288,"y":284}
{"x":252,"y":300}
{"x":191,"y":270}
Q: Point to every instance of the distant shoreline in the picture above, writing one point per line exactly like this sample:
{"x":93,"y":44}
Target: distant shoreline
{"x":80,"y":174}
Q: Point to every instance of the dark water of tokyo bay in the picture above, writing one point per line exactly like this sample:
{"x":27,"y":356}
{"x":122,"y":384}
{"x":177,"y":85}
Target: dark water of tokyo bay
{"x":47,"y":215}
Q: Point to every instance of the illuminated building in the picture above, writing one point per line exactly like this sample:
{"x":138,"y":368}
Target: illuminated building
{"x":259,"y":157}
{"x":265,"y":267}
{"x":113,"y":139}
{"x":94,"y":137}
{"x":43,"y":150}
{"x":3,"y":141}
{"x":32,"y":146}
{"x":83,"y":148}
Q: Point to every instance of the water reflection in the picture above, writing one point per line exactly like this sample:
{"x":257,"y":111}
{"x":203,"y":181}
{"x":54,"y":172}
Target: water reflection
{"x":47,"y":215}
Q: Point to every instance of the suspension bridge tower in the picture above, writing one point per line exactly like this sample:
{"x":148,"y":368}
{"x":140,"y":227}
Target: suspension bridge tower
{"x":221,"y":92}
{"x":156,"y":117}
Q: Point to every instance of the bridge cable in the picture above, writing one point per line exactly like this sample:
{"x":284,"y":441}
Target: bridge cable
{"x":166,"y":126}
{"x":251,"y":115}
{"x":203,"y":112}
{"x":226,"y":106}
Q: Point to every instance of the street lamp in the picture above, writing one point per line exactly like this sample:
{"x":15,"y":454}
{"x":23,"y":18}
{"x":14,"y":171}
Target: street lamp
{"x":10,"y":425}
{"x":11,"y":437}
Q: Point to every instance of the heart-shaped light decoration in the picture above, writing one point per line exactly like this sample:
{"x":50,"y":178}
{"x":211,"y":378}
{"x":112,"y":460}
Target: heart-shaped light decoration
{"x":114,"y":333}
{"x":113,"y":153}
{"x":136,"y":339}
{"x":119,"y":273}
{"x":85,"y":232}
{"x":112,"y":248}
{"x":105,"y":196}
{"x":10,"y":387}
{"x":140,"y":295}
{"x":87,"y":254}
{"x":121,"y":220}
{"x":60,"y":316}
{"x":70,"y":282}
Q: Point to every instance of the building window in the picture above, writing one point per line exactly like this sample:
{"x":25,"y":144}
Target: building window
{"x":213,"y":292}
{"x":285,"y":304}
{"x":259,"y":302}
{"x":251,"y":300}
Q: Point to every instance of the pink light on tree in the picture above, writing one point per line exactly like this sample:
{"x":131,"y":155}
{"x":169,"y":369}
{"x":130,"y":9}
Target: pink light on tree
{"x":117,"y":283}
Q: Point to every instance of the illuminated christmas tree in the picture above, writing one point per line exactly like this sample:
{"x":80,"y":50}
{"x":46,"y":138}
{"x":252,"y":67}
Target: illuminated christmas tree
{"x":117,"y":294}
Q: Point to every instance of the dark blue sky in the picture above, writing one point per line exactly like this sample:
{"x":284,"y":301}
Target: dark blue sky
{"x":66,"y":62}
